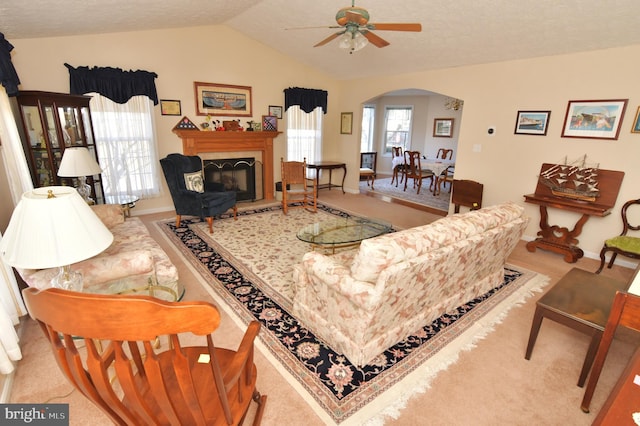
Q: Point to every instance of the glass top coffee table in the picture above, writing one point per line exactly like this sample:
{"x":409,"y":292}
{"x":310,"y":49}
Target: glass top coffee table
{"x":342,"y":232}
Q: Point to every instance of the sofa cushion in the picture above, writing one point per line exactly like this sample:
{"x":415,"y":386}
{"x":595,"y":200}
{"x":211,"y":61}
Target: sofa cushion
{"x":110,"y":214}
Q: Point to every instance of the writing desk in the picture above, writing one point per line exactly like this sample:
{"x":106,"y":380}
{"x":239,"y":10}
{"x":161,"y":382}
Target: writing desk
{"x":328,"y":165}
{"x":560,"y":239}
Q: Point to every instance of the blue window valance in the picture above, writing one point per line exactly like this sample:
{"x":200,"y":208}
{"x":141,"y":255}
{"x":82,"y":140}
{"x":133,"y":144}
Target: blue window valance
{"x":113,"y":83}
{"x":308,"y":99}
{"x":8,"y":75}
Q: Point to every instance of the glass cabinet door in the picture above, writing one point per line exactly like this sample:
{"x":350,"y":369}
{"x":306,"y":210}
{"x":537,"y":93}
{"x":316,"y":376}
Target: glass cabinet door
{"x":71,"y":132}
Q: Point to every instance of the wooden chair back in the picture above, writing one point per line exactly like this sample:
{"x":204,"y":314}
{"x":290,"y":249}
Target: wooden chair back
{"x":106,"y":347}
{"x":445,"y":154}
{"x":467,"y":193}
{"x":625,"y":311}
{"x":297,"y":187}
{"x":396,"y":151}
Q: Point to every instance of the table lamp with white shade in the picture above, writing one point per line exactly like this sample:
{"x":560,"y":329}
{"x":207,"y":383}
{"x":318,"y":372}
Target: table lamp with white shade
{"x":54,"y":227}
{"x":78,"y":162}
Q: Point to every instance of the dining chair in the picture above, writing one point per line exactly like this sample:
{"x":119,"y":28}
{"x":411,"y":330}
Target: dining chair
{"x":107,"y":347}
{"x":445,"y":154}
{"x":415,"y":171}
{"x":623,"y":244}
{"x":399,"y":165}
{"x":368,"y":164}
{"x":625,"y":312}
{"x":298,"y":190}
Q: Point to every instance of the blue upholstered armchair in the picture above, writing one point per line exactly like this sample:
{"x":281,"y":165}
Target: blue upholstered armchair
{"x":191,"y":194}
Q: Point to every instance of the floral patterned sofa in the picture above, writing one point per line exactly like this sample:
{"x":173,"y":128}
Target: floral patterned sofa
{"x":133,"y":253}
{"x":361,"y":302}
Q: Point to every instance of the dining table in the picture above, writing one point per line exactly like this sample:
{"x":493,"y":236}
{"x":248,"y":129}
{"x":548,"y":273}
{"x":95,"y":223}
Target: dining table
{"x":437,"y":166}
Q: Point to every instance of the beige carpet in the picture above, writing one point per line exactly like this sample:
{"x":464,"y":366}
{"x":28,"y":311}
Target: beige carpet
{"x":489,"y":385}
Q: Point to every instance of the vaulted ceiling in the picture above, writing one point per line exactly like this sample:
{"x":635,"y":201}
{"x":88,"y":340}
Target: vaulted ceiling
{"x":454,"y":33}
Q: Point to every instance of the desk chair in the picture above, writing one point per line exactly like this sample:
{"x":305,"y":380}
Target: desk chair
{"x":466,"y":193}
{"x":298,"y":191}
{"x":117,"y":365}
{"x":623,"y":244}
{"x":626,"y":312}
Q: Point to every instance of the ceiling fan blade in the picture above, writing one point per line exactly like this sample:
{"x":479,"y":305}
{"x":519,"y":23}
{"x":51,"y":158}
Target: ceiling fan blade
{"x":312,"y":28}
{"x":328,"y":39}
{"x":374,"y":39}
{"x":395,"y":27}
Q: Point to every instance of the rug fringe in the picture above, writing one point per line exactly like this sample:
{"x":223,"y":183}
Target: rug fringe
{"x":451,"y":353}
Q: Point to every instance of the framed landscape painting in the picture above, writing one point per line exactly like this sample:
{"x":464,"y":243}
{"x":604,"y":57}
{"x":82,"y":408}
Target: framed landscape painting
{"x":636,"y":123}
{"x":222,"y":99}
{"x":594,"y":119}
{"x":443,"y":127}
{"x":532,"y":122}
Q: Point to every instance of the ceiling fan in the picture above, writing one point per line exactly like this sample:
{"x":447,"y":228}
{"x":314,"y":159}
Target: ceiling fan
{"x":356,"y":31}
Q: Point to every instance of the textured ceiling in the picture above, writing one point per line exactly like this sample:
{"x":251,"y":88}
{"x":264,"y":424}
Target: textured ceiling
{"x":454,"y":33}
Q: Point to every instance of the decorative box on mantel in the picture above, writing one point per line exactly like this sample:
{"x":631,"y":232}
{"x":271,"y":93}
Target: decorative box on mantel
{"x":195,"y":142}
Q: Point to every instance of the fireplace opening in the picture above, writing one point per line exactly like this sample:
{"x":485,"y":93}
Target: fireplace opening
{"x":236,"y":174}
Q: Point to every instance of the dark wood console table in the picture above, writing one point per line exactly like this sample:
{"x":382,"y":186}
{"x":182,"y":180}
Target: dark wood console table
{"x":328,"y":165}
{"x":562,"y":240}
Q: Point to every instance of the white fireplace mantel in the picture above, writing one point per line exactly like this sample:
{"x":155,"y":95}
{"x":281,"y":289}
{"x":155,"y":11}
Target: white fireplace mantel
{"x":195,"y":142}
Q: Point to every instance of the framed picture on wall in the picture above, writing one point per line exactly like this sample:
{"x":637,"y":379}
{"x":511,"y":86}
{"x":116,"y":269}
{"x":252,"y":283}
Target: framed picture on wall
{"x":275,"y":110}
{"x":170,"y":107}
{"x":346,"y":123}
{"x":636,"y":122}
{"x":594,"y":119}
{"x":443,"y":127}
{"x":532,"y":122}
{"x":222,"y":99}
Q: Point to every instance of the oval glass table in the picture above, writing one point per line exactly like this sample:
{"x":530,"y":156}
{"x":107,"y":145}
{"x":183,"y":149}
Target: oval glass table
{"x":342,"y":232}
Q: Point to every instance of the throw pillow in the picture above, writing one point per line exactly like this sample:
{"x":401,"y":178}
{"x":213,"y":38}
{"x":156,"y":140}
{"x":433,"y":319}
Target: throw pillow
{"x":194,"y":182}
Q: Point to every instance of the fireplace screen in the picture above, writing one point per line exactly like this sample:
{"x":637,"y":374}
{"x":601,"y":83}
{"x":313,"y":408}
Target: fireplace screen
{"x":236,"y":174}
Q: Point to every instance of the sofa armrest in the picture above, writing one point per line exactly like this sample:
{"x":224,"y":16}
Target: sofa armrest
{"x":98,"y":270}
{"x":329,"y":276}
{"x":110,"y":214}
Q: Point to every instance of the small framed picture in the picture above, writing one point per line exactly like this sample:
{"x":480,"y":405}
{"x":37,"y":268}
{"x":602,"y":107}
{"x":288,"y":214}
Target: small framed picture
{"x":170,"y":107}
{"x":594,"y":119}
{"x":532,"y":122}
{"x":636,"y":122}
{"x":443,"y":127}
{"x":346,"y":123}
{"x":275,"y":110}
{"x":269,"y":123}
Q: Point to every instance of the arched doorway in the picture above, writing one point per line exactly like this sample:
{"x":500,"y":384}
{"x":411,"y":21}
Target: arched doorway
{"x":411,"y":119}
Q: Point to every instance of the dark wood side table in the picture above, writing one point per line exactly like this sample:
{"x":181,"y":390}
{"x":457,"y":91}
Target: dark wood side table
{"x":624,"y":399}
{"x":560,"y":239}
{"x":580,"y":300}
{"x":328,"y":165}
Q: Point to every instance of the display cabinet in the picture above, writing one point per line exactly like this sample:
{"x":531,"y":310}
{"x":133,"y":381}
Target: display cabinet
{"x":48,"y":123}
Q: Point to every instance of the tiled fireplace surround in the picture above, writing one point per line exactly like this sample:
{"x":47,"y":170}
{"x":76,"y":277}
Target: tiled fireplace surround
{"x":212,"y":145}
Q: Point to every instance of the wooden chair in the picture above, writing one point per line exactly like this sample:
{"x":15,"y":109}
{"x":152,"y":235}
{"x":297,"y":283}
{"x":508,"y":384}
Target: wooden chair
{"x":368,"y":162}
{"x":623,"y":244}
{"x":625,"y":312}
{"x":445,"y":154}
{"x":116,"y":364}
{"x":414,"y":170}
{"x":298,"y":191}
{"x":399,"y":169}
{"x":466,"y":193}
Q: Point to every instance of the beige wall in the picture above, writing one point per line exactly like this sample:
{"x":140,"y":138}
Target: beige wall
{"x":507,"y":164}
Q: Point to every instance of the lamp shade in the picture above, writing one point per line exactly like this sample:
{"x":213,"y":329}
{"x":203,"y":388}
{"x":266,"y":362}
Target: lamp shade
{"x":78,"y":161}
{"x":47,"y":232}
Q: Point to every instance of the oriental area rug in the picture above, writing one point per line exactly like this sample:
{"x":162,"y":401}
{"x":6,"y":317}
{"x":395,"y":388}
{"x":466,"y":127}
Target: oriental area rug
{"x":248,"y":265}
